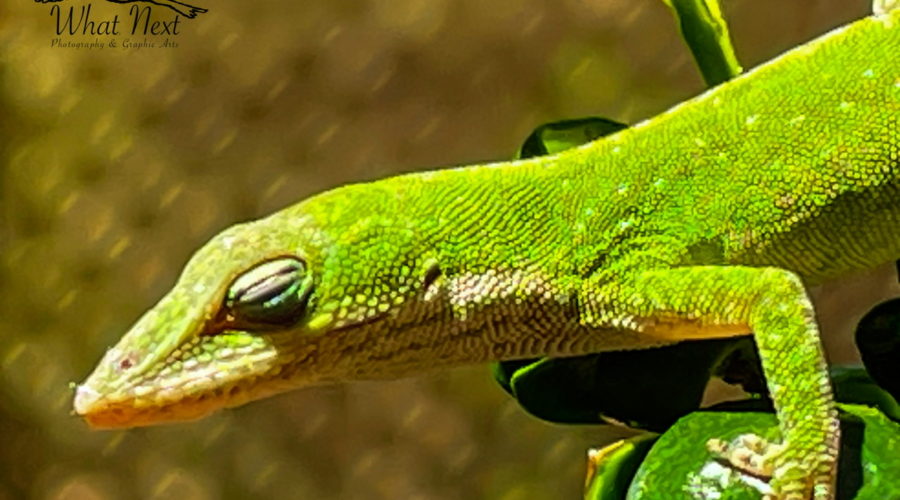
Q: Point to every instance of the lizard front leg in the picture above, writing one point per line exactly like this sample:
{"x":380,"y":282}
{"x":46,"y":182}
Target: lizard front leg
{"x":715,"y":301}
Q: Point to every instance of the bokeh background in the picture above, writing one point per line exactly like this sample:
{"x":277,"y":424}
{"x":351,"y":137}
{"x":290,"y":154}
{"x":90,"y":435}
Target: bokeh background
{"x":117,"y":164}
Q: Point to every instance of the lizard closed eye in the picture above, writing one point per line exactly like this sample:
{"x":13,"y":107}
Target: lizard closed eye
{"x":273,"y":294}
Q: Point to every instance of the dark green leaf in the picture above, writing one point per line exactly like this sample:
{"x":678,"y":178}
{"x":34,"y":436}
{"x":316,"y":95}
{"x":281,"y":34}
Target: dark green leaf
{"x":554,"y":137}
{"x":648,"y":389}
{"x":878,"y":341}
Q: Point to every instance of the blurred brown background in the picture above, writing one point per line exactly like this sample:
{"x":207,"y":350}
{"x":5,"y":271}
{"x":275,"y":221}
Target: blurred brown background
{"x":117,"y":164}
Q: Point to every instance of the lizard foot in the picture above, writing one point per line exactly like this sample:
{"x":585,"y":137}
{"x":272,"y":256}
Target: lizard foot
{"x":748,"y":453}
{"x":790,"y":478}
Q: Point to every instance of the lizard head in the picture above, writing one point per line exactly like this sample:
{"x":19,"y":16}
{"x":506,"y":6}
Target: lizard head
{"x":263,"y":307}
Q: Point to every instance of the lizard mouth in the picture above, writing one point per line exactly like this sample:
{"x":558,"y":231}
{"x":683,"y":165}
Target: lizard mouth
{"x":100,"y":414}
{"x":103,"y":414}
{"x":183,"y":388}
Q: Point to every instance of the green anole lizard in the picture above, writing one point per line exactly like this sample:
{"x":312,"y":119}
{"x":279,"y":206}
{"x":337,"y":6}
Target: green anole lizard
{"x":709,"y":220}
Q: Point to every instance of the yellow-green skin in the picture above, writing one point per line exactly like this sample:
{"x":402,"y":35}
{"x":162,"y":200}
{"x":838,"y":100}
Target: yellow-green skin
{"x":706,"y":221}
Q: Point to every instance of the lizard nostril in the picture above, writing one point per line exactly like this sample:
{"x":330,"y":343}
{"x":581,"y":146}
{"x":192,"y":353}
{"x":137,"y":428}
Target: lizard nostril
{"x":125,"y":364}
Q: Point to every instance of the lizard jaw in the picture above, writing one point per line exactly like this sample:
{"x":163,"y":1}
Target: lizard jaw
{"x":230,"y":370}
{"x":101,"y":414}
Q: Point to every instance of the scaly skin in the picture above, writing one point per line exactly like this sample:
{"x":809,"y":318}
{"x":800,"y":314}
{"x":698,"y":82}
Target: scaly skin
{"x":706,"y":221}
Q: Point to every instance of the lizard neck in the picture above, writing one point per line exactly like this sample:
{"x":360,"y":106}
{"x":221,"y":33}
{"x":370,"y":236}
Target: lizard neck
{"x":462,"y":320}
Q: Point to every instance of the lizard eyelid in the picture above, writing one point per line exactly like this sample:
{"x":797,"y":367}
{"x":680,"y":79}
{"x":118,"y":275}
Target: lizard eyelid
{"x":273,"y":293}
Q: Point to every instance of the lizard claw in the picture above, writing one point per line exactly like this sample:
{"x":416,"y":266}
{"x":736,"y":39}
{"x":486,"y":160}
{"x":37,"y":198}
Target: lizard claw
{"x":752,"y":455}
{"x":747,"y":453}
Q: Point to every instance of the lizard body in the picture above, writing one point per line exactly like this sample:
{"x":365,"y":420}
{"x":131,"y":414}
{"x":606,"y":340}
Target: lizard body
{"x":706,"y":221}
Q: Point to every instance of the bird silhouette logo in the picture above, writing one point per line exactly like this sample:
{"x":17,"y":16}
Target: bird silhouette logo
{"x":182,"y":8}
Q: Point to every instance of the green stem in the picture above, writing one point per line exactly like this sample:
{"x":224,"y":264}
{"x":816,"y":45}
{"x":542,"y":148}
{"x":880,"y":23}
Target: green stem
{"x":706,"y":33}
